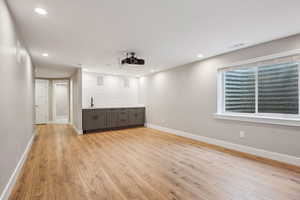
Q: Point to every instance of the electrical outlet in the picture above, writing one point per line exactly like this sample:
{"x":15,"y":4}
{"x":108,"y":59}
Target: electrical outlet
{"x":242,"y":134}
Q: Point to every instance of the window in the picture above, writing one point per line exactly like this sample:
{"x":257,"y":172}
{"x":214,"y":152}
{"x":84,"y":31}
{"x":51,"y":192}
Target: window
{"x":278,"y":90}
{"x":265,"y":88}
{"x":240,"y":90}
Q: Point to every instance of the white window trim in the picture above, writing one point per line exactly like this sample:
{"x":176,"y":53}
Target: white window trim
{"x":266,"y":118}
{"x":288,"y":121}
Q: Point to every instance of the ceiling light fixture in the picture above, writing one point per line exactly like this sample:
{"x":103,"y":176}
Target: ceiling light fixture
{"x":45,"y":54}
{"x":200,"y":56}
{"x":41,"y":11}
{"x":238,"y":45}
{"x":152,"y":70}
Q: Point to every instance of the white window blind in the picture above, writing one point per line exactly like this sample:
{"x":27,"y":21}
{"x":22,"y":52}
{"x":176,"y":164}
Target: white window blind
{"x":268,"y":87}
{"x":240,"y":90}
{"x":278,"y":90}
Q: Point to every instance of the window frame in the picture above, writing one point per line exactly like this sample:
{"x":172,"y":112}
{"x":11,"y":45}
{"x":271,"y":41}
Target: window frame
{"x":271,"y":118}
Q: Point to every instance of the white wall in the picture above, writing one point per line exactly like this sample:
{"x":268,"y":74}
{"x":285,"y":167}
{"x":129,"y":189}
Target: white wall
{"x":17,"y":94}
{"x":185,"y":99}
{"x":111,"y":93}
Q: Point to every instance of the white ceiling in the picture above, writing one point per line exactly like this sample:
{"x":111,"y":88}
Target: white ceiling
{"x":166,"y":33}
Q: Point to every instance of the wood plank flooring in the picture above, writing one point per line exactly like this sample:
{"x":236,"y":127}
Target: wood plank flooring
{"x":143,"y":164}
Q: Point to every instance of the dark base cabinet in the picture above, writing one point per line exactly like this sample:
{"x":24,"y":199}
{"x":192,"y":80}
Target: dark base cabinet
{"x":112,"y":118}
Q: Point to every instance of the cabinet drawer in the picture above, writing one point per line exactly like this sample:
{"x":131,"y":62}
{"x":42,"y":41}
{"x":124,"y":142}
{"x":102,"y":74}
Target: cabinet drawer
{"x":123,"y":113}
{"x":123,"y":122}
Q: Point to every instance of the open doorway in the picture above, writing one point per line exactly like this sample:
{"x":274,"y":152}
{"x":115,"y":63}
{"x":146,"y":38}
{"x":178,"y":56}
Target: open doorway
{"x":52,"y":101}
{"x":61,"y":99}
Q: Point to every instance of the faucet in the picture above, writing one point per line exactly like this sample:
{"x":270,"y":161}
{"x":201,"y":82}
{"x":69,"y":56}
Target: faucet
{"x":92,"y":102}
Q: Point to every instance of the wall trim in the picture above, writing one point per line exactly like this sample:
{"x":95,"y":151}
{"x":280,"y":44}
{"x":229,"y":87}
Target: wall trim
{"x":13,"y":178}
{"x":78,"y":131}
{"x":292,"y":160}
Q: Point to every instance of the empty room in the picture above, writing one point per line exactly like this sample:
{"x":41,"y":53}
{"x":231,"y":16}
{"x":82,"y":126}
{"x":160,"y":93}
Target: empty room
{"x":149,"y":100}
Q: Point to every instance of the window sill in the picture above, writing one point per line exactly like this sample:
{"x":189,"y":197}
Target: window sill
{"x":287,"y":121}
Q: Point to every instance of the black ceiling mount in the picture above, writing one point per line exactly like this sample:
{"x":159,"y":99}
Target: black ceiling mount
{"x":131,"y":59}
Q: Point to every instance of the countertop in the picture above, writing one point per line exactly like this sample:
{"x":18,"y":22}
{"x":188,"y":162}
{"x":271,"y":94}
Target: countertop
{"x":105,"y":107}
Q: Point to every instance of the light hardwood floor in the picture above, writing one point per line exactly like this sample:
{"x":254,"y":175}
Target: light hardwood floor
{"x":143,"y":164}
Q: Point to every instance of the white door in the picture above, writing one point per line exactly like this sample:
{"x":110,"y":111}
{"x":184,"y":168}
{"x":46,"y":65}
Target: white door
{"x":41,"y":101}
{"x":61,"y":101}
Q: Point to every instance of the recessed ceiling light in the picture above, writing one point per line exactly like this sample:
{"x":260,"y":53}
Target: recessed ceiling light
{"x":152,"y":70}
{"x":41,"y":11}
{"x":238,"y":45}
{"x":45,"y":54}
{"x":200,"y":56}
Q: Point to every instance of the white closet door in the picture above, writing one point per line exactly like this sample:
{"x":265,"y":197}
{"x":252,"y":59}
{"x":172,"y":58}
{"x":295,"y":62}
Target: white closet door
{"x":41,"y":101}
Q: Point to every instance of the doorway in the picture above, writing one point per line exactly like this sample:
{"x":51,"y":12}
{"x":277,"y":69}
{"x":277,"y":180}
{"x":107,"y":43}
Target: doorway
{"x":61,"y":99}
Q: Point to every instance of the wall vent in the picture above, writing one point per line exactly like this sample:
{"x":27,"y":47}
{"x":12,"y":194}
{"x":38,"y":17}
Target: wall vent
{"x":100,"y":80}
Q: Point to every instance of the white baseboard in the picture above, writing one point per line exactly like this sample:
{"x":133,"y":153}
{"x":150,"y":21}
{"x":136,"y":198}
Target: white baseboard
{"x":78,"y":131}
{"x":58,"y":122}
{"x":246,"y":149}
{"x":13,"y":178}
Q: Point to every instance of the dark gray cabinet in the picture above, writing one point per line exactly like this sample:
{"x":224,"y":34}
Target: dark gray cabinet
{"x":123,"y":118}
{"x":112,"y":118}
{"x":94,"y":119}
{"x":136,"y":116}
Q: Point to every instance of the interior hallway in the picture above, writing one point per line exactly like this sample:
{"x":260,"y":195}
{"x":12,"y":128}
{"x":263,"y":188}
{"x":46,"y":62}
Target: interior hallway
{"x":143,"y":163}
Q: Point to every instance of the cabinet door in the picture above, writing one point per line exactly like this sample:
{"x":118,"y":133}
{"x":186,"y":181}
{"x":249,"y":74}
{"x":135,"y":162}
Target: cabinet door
{"x":136,"y":116}
{"x":113,"y":118}
{"x":123,"y":117}
{"x":140,"y":119}
{"x":89,"y":121}
{"x":101,"y":118}
{"x":132,"y":116}
{"x":93,"y":119}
